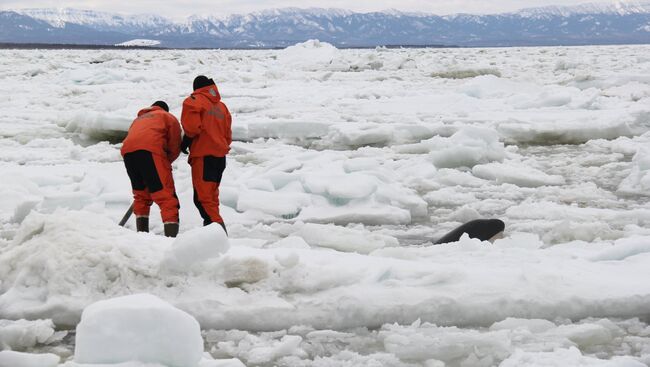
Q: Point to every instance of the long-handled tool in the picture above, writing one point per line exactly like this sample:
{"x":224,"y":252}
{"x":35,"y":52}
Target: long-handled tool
{"x":127,"y":215}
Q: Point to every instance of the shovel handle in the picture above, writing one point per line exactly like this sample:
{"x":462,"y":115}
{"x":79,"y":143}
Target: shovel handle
{"x":127,"y":215}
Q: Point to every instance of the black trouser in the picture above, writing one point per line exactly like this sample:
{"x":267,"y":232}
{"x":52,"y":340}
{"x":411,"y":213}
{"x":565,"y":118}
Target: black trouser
{"x":142,"y":171}
{"x":152,"y":181}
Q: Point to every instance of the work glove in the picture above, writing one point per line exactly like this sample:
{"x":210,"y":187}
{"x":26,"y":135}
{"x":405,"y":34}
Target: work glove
{"x":187,"y":141}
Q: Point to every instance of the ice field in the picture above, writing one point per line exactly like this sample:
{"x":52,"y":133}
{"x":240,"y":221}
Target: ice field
{"x":346,"y":166}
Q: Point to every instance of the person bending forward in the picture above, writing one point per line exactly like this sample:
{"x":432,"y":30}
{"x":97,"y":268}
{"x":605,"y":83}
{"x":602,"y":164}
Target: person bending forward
{"x":151,"y":145}
{"x":207,"y":125}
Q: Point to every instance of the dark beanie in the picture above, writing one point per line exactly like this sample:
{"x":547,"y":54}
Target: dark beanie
{"x":202,"y":81}
{"x":161,"y":104}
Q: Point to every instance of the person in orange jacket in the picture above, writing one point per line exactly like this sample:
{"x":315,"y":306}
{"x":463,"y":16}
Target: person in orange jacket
{"x":151,"y":145}
{"x":207,"y":125}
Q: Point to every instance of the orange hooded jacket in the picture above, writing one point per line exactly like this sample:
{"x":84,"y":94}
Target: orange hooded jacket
{"x":156,"y":131}
{"x":207,"y":121}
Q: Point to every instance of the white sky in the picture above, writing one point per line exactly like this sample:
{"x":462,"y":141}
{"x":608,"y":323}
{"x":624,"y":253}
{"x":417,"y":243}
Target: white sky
{"x":178,"y":9}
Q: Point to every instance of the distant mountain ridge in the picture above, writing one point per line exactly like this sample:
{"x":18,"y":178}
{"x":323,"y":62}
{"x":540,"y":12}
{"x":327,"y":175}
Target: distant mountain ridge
{"x":594,"y":23}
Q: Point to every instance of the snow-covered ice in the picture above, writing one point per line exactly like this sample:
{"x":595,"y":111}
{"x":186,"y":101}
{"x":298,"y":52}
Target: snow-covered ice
{"x":23,"y":334}
{"x":140,"y":328}
{"x":17,"y":359}
{"x":194,"y":246}
{"x":347,"y":165}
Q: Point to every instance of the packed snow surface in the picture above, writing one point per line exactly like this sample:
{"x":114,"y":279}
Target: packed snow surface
{"x":346,"y":166}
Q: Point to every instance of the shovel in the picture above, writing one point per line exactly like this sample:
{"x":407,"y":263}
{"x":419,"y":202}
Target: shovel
{"x":127,"y":215}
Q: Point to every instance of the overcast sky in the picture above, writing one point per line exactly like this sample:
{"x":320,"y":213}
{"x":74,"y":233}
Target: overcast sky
{"x":179,"y":9}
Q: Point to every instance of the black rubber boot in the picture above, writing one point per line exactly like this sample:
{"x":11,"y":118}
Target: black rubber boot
{"x":171,"y":229}
{"x":142,"y":224}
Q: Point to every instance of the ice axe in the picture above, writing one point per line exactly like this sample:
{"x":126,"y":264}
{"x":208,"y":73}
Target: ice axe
{"x":127,"y":215}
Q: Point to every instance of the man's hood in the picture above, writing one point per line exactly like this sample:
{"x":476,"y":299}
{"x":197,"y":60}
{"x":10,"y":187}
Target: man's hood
{"x":211,"y":92}
{"x":149,"y":109}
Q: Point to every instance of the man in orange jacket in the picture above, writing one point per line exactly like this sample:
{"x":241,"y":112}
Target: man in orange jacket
{"x":152,"y":144}
{"x":207,"y":125}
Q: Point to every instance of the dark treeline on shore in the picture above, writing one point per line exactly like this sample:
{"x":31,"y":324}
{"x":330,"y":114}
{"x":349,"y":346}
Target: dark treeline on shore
{"x":55,"y":46}
{"x":66,"y":46}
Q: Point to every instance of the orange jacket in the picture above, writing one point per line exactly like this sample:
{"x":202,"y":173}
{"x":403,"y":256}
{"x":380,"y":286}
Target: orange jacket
{"x":207,"y":121}
{"x":154,"y":130}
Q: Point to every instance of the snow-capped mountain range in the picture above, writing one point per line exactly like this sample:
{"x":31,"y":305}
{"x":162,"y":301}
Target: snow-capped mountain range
{"x":593,"y":23}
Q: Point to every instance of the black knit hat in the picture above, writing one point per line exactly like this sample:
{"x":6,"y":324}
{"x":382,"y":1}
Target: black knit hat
{"x":161,"y":104}
{"x":202,"y":81}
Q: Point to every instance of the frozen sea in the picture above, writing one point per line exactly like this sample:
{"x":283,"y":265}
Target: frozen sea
{"x":346,"y":166}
